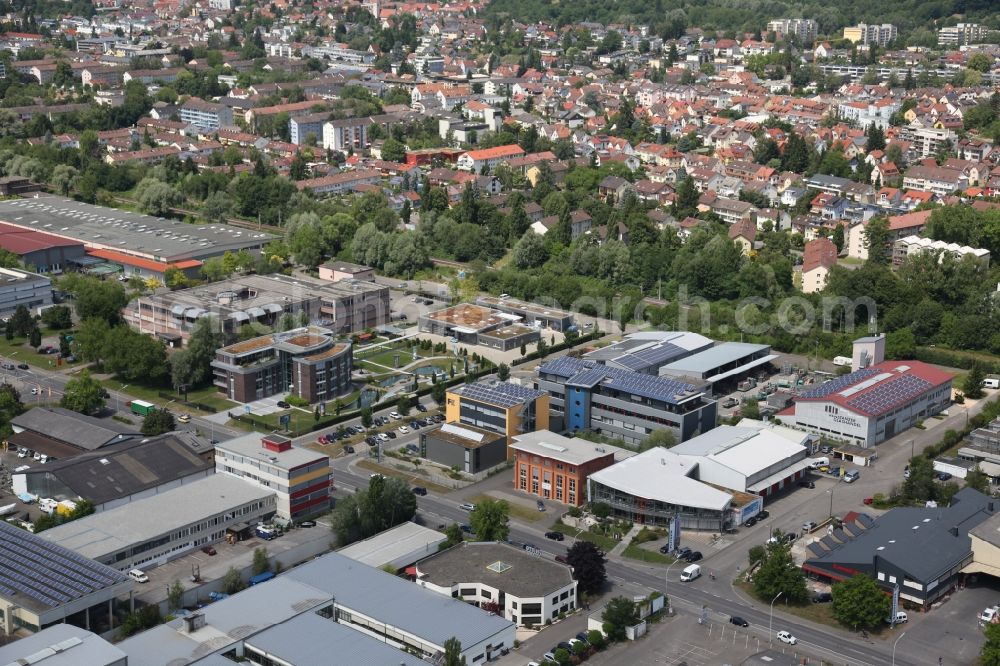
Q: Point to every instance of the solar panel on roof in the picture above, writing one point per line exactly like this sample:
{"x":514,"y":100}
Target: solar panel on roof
{"x":839,"y":383}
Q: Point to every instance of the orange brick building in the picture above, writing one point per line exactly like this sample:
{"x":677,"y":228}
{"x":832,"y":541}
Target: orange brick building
{"x":555,"y":467}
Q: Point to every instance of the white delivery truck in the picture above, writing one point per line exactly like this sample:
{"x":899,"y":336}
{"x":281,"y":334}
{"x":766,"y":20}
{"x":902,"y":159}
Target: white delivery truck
{"x":690,"y":572}
{"x":842,"y":360}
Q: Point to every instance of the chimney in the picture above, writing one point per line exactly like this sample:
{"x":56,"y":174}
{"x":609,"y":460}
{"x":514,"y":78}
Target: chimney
{"x":194,"y":622}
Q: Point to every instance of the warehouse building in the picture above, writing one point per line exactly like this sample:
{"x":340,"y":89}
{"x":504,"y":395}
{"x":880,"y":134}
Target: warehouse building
{"x":477,"y":325}
{"x":530,"y":313}
{"x":872,"y":404}
{"x":155,"y":530}
{"x":346,"y":306}
{"x":505,"y":579}
{"x":922,"y":551}
{"x":120,"y":473}
{"x":472,"y":450}
{"x":62,"y":433}
{"x":398,"y":547}
{"x":62,"y":645}
{"x":726,"y":363}
{"x":41,"y":252}
{"x":553,"y":466}
{"x":144,"y":245}
{"x":43,"y":584}
{"x":305,"y":362}
{"x":648,"y":351}
{"x":299,"y":478}
{"x":500,"y":407}
{"x":626,"y":405}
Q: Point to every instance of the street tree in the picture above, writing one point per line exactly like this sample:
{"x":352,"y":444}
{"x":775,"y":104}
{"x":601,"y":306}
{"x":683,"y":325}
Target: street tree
{"x":386,"y":502}
{"x":588,"y":561}
{"x":778,"y":573}
{"x":859,"y":603}
{"x":35,"y":338}
{"x":175,"y":595}
{"x":232,"y":582}
{"x":261,"y":561}
{"x":157,"y":422}
{"x":972,"y":386}
{"x":454,"y":535}
{"x":83,"y":394}
{"x":618,"y":615}
{"x":664,"y":438}
{"x":453,"y":652}
{"x":990,"y":653}
{"x":366,"y":417}
{"x":490,"y":520}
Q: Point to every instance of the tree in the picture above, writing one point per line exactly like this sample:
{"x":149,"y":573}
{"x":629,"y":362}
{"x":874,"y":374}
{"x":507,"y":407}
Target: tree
{"x":62,"y":178}
{"x":175,"y":595}
{"x":156,"y":197}
{"x":588,"y":561}
{"x":686,"y":199}
{"x":972,"y":386}
{"x":838,"y":237}
{"x":386,"y":502}
{"x":978,"y":480}
{"x":192,"y":366}
{"x":876,"y":239}
{"x":35,"y":338}
{"x":664,"y":438}
{"x":618,"y":615}
{"x":503,"y":372}
{"x":261,"y":562}
{"x":919,"y":486}
{"x":21,"y":322}
{"x":393,"y":150}
{"x":83,"y":394}
{"x":778,"y":573}
{"x":366,"y":417}
{"x":860,"y":603}
{"x":93,"y":297}
{"x":453,"y":652}
{"x":990,"y":654}
{"x":454,"y":535}
{"x":490,"y":520}
{"x":157,"y":422}
{"x":529,"y":251}
{"x":231,"y":581}
{"x":58,"y":317}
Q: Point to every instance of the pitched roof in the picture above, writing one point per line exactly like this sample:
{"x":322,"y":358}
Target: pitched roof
{"x":880,"y":388}
{"x":819,"y":252}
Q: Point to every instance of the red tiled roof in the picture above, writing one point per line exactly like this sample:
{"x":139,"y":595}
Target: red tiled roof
{"x":819,"y":252}
{"x":148,"y":264}
{"x":499,"y":151}
{"x":22,"y":241}
{"x":917,"y":219}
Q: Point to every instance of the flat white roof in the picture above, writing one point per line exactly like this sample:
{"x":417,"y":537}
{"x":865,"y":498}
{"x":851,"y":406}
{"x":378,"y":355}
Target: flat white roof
{"x":571,"y":450}
{"x":251,"y":446}
{"x":742,"y":449}
{"x":401,"y":542}
{"x":659,"y":474}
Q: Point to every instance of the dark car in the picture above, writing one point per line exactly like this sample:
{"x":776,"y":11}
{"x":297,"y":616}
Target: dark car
{"x":582,"y":636}
{"x":208,"y":550}
{"x":421,"y":408}
{"x":22,"y":366}
{"x":419,"y":490}
{"x":562,"y":559}
{"x":762,"y":515}
{"x":529,"y":546}
{"x":806,"y":484}
{"x":283,"y":404}
{"x":683,"y":552}
{"x":391,"y":434}
{"x":555,"y":536}
{"x":565,"y":646}
{"x":348,"y":449}
{"x":466,"y":528}
{"x":943,"y":476}
{"x":307,"y":523}
{"x":750,"y":522}
{"x":738,"y":621}
{"x":822,"y":598}
{"x":694,"y":557}
{"x":664,"y":549}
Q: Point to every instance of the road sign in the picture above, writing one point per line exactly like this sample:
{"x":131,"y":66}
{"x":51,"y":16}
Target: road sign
{"x":285,"y":419}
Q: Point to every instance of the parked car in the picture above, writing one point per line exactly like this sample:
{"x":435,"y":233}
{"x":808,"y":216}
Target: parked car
{"x":348,"y":449}
{"x":943,"y":476}
{"x":562,"y":559}
{"x":868,"y":501}
{"x":808,"y":526}
{"x":555,"y":536}
{"x":665,"y":549}
{"x":582,"y":637}
{"x":822,"y":598}
{"x":729,"y":403}
{"x":466,"y":528}
{"x":390,"y":434}
{"x":541,"y":505}
{"x":468,"y":506}
{"x":419,"y":490}
{"x":208,"y":550}
{"x":806,"y":484}
{"x":854,"y":475}
{"x":683,"y":552}
{"x":738,"y":621}
{"x":22,"y":366}
{"x":900,"y":618}
{"x":833,"y":471}
{"x":403,"y":430}
{"x":284,"y":405}
{"x":693,"y":557}
{"x":750,"y":522}
{"x":786,"y":637}
{"x":421,"y":407}
{"x":395,"y":415}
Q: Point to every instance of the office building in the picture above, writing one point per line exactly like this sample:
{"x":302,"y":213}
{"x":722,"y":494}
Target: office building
{"x":804,"y":30}
{"x":128,"y":471}
{"x":553,"y":466}
{"x":648,"y":351}
{"x":923,"y":552}
{"x":143,"y":245}
{"x":44,"y":584}
{"x":344,"y":307}
{"x":62,"y":645}
{"x":300,"y":478}
{"x":500,"y":407}
{"x":873,"y":403}
{"x":465,"y":447}
{"x":40,"y":252}
{"x":622,"y":404}
{"x":509,"y":581}
{"x":871,"y":34}
{"x":18,"y":288}
{"x":478,"y":325}
{"x":154,"y":530}
{"x":530,"y":314}
{"x":305,"y":362}
{"x":962,"y":34}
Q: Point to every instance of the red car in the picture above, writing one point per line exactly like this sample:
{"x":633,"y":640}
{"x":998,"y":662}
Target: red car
{"x":208,"y":550}
{"x":868,"y":500}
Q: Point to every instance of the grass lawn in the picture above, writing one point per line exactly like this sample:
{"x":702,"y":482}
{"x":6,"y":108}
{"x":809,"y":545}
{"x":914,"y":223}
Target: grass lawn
{"x":819,"y":613}
{"x":516,"y":510}
{"x":208,"y":395}
{"x":412,"y":478}
{"x":600,"y":540}
{"x":18,"y":351}
{"x":649,"y":556}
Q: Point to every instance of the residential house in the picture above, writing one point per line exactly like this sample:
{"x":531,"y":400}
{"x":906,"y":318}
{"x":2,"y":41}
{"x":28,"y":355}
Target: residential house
{"x":819,"y":257}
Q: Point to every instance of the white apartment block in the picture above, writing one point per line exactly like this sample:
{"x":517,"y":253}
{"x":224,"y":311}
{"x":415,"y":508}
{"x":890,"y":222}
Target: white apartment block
{"x":802,"y":28}
{"x":871,"y":34}
{"x":961,"y":34}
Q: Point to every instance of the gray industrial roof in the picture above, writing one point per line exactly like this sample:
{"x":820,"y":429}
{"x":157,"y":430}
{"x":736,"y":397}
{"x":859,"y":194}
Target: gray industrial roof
{"x":39,"y":576}
{"x":570,"y":450}
{"x":251,"y":446}
{"x":721,"y":354}
{"x":124,"y":469}
{"x":520,"y":574}
{"x":228,"y":621}
{"x":398,"y":603}
{"x":61,"y":645}
{"x":918,"y":540}
{"x":84,"y":432}
{"x":126,"y":231}
{"x":311,"y":639}
{"x":405,"y":541}
{"x":116,"y":529}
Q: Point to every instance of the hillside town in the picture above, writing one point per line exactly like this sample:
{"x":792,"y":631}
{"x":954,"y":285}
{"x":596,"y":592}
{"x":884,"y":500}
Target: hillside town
{"x":499,"y":331}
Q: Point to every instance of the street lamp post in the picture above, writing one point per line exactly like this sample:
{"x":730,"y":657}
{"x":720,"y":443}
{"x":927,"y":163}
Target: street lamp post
{"x":830,"y":491}
{"x":894,"y":648}
{"x":118,"y":396}
{"x":911,"y":449}
{"x":666,"y":580}
{"x":770,"y":621}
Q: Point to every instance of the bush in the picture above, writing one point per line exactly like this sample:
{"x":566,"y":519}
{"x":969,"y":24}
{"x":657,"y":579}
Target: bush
{"x":596,"y":638}
{"x":296,"y":401}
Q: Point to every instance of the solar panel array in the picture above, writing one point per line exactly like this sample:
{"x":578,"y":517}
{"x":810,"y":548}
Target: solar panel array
{"x":890,"y":394}
{"x":583,"y":373}
{"x":49,"y":574}
{"x":588,"y":377}
{"x":564,"y":366}
{"x":501,"y":394}
{"x":839,"y":383}
{"x":660,"y":354}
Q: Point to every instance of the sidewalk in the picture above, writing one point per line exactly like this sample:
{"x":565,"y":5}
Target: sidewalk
{"x":623,"y":544}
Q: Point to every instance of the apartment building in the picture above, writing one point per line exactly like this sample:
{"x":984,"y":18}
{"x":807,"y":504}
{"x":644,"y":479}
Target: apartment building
{"x":819,"y":257}
{"x":962,"y":34}
{"x":206,"y":115}
{"x":871,"y":34}
{"x":299,"y":478}
{"x":301,"y":127}
{"x":488,"y":158}
{"x":304,"y":362}
{"x":340,"y":183}
{"x":801,"y":28}
{"x":942,"y":181}
{"x":928,"y":141}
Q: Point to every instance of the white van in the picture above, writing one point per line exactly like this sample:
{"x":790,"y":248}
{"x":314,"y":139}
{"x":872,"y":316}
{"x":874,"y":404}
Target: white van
{"x":816,"y":463}
{"x":901,"y":617}
{"x":690,"y":572}
{"x":138,"y":575}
